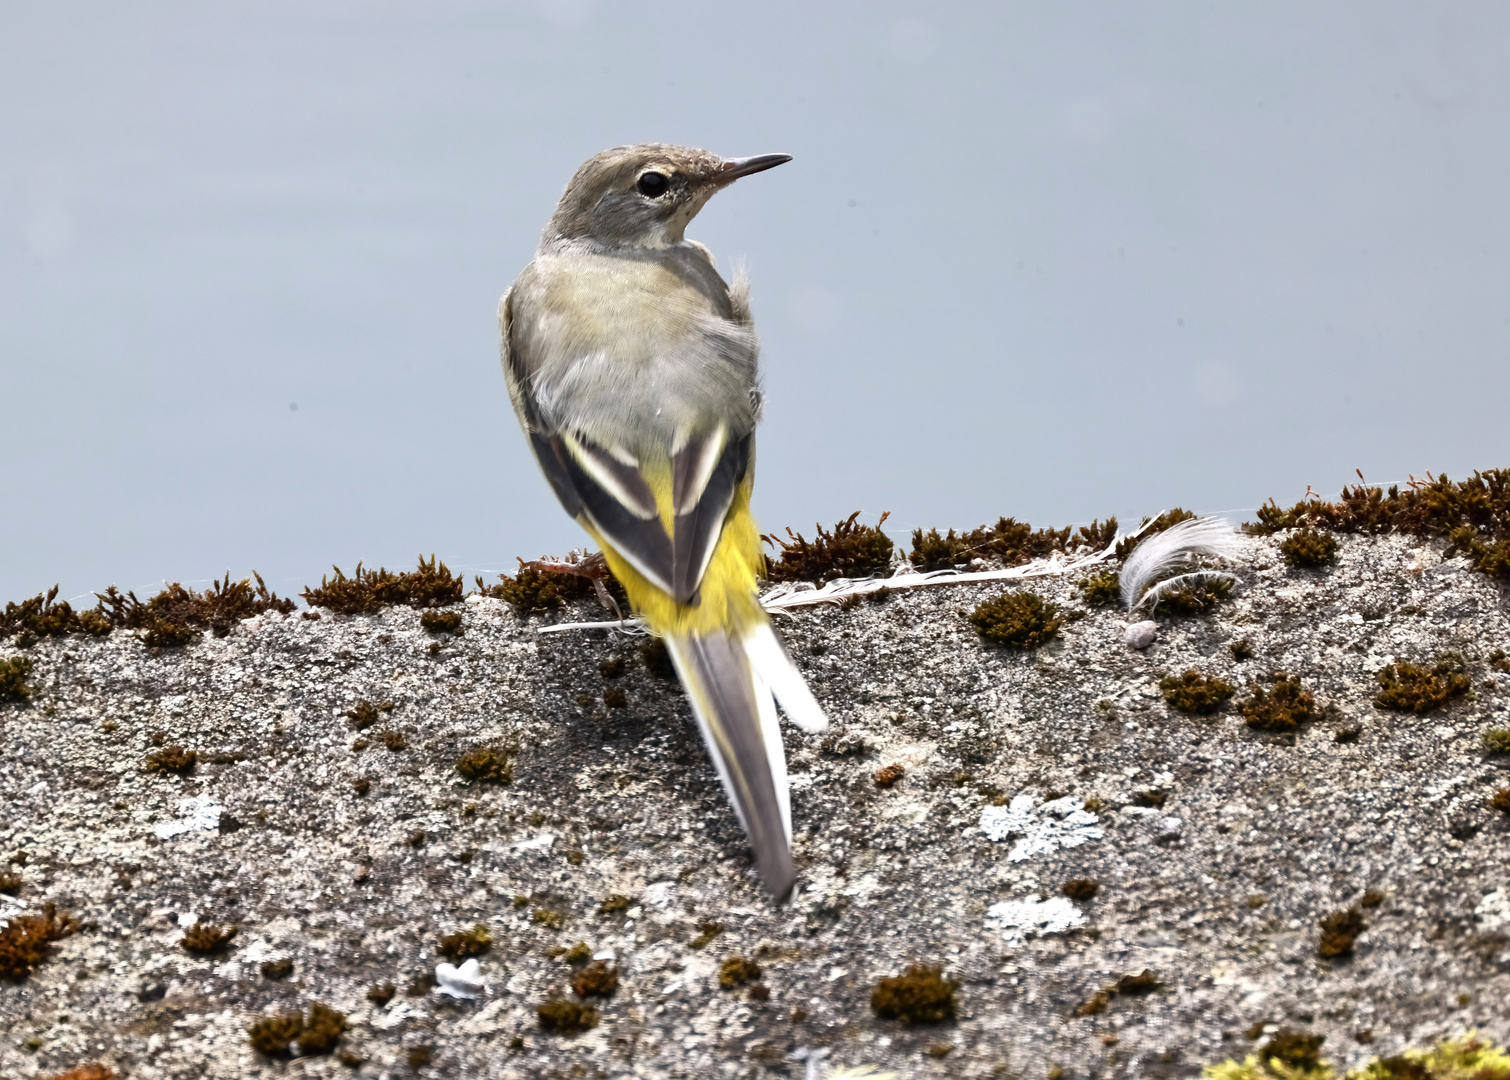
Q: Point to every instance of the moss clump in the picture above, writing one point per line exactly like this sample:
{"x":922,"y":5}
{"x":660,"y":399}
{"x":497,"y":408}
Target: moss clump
{"x":1496,"y":741}
{"x":1407,"y":687}
{"x":735,"y":971}
{"x":1241,"y":650}
{"x":441,"y":622}
{"x":277,"y":970}
{"x":1307,"y":548}
{"x":273,"y":1036}
{"x":172,"y":759}
{"x":548,"y":917}
{"x":657,"y":658}
{"x":1017,"y":620}
{"x":615,"y":698}
{"x":706,"y":932}
{"x":366,"y":591}
{"x":365,"y":713}
{"x":1098,"y":534}
{"x":464,"y":943}
{"x":564,"y":1016}
{"x":1080,"y":888}
{"x":1284,"y":707}
{"x":26,"y":941}
{"x":381,"y":993}
{"x":176,"y":616}
{"x":615,"y":903}
{"x":207,"y":939}
{"x":1339,"y":931}
{"x":1009,"y":541}
{"x":13,"y":673}
{"x":890,"y":774}
{"x":1195,"y":693}
{"x":10,"y":883}
{"x":419,"y":1056}
{"x":920,"y":995}
{"x":41,"y":616}
{"x":1144,"y":982}
{"x":548,"y":584}
{"x":848,"y":551}
{"x":92,"y":1071}
{"x":394,"y":740}
{"x":1499,"y":661}
{"x":596,"y":980}
{"x":1293,"y":1058}
{"x":322,"y":1030}
{"x":1102,"y":588}
{"x":576,"y":955}
{"x":487,"y":765}
{"x":1500,"y":800}
{"x":1166,"y":520}
{"x":1196,"y":597}
{"x":612,"y":668}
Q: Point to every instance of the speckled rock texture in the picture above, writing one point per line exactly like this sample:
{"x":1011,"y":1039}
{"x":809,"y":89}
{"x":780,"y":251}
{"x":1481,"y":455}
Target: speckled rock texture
{"x":1218,"y":849}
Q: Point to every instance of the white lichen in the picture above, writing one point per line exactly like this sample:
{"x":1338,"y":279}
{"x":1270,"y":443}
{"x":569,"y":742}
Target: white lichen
{"x":1042,"y":829}
{"x":200,"y":812}
{"x":1019,"y":920}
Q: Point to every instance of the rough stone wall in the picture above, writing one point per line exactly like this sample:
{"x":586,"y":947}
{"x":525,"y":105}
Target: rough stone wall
{"x":1217,"y":892}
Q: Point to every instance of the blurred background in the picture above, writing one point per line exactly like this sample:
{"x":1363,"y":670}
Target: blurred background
{"x":1055,"y":261}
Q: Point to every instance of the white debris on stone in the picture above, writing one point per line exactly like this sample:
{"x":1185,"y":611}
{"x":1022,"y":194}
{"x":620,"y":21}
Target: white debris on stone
{"x":1058,"y":823}
{"x":1169,"y":828}
{"x":1140,"y":635}
{"x":1494,"y":911}
{"x":460,"y":982}
{"x":1019,"y":920}
{"x":200,"y":812}
{"x":536,"y":843}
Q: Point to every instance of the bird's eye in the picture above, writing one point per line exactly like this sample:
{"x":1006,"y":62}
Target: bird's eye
{"x":653,"y":185}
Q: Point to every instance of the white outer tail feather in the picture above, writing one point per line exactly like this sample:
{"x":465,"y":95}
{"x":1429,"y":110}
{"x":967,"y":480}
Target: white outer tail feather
{"x":774,"y":667}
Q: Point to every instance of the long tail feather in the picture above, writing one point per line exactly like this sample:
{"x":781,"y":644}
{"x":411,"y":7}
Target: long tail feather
{"x":774,"y":665}
{"x":737,"y":715}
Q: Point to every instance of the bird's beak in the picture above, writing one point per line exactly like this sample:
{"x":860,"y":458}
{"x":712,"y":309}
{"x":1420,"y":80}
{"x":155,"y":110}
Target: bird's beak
{"x":733,"y":168}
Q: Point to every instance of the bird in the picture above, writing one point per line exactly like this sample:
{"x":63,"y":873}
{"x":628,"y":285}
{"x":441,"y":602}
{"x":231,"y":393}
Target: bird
{"x":633,"y":369}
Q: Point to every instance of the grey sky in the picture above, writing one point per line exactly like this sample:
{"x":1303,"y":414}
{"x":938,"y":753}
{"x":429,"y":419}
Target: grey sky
{"x":1051,"y":260}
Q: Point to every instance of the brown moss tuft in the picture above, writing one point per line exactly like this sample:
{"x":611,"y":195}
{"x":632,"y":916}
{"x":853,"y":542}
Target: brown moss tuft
{"x":1098,"y":534}
{"x":1164,"y":521}
{"x":657,"y":658}
{"x":890,"y":774}
{"x":1144,"y":982}
{"x":1499,"y":661}
{"x":464,"y":943}
{"x":1195,"y":693}
{"x":1496,"y":741}
{"x":13,"y":673}
{"x":394,"y":740}
{"x":207,"y":939}
{"x":564,"y":1016}
{"x":381,"y":993}
{"x":849,"y":551}
{"x":1017,"y":620}
{"x":26,"y":941}
{"x":366,"y":591}
{"x":596,"y":980}
{"x":735,"y":971}
{"x":577,"y":954}
{"x":176,"y":616}
{"x":441,"y":622}
{"x":1102,"y":588}
{"x":322,"y":1029}
{"x":1196,"y":597}
{"x":273,"y":1036}
{"x":548,"y":917}
{"x":487,"y":765}
{"x":615,"y":698}
{"x":366,"y":713}
{"x":92,"y":1071}
{"x":1407,"y":687}
{"x":1080,"y":888}
{"x":42,"y":617}
{"x":706,"y":932}
{"x":1339,"y":931}
{"x":549,"y":584}
{"x":1284,"y":707}
{"x":615,"y":903}
{"x":920,"y":995}
{"x":1500,"y":800}
{"x":612,"y":668}
{"x":278,"y":969}
{"x":1298,"y":1050}
{"x":1241,"y":649}
{"x":10,"y":883}
{"x":1010,"y":541}
{"x":172,"y":759}
{"x":419,"y":1056}
{"x":1307,"y":548}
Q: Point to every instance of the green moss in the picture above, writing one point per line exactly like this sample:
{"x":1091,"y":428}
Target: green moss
{"x":430,"y":585}
{"x":441,"y":622}
{"x":46,"y":616}
{"x":615,"y":903}
{"x":577,"y":954}
{"x":322,"y":1030}
{"x":548,"y":917}
{"x":1017,"y":620}
{"x":848,"y":551}
{"x":548,"y":584}
{"x":1284,"y":707}
{"x":1098,"y":534}
{"x":1496,"y":741}
{"x":26,"y":941}
{"x":207,"y":939}
{"x":706,"y":932}
{"x":1195,"y":693}
{"x":920,"y":995}
{"x":487,"y":765}
{"x":1293,"y":1055}
{"x":1339,"y":930}
{"x":1102,"y":588}
{"x":564,"y":1016}
{"x":735,"y":971}
{"x":1241,"y":650}
{"x":1196,"y":597}
{"x":273,"y":1036}
{"x":13,"y":673}
{"x":457,"y":946}
{"x":1307,"y":547}
{"x":596,"y":980}
{"x":1407,"y":687}
{"x":172,"y":759}
{"x":1154,"y":525}
{"x":1009,"y":541}
{"x":176,"y":616}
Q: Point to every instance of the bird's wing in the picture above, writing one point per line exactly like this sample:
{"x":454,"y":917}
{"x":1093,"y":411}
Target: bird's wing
{"x":665,"y":521}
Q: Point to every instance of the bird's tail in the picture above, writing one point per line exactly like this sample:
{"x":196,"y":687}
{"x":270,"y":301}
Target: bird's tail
{"x":730,"y":677}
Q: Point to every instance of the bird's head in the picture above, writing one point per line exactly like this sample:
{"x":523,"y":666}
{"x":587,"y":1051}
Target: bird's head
{"x":644,"y":196}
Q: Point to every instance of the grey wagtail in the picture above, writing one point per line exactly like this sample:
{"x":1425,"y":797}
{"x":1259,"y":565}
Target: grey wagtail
{"x":632,"y":367}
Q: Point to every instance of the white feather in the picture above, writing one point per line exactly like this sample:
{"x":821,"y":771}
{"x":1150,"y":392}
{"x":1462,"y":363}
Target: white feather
{"x":1147,"y":573}
{"x":775,"y":668}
